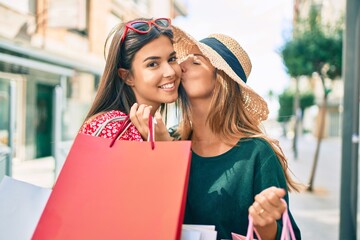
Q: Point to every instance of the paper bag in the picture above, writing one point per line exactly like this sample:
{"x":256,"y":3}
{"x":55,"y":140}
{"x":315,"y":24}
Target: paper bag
{"x":127,"y":191}
{"x":198,"y":232}
{"x":21,"y":205}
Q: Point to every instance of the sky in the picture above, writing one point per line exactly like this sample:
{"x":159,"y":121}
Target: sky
{"x":261,"y":27}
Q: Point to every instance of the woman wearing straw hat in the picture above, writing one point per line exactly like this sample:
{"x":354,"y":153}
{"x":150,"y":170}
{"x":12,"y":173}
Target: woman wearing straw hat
{"x":236,"y":169}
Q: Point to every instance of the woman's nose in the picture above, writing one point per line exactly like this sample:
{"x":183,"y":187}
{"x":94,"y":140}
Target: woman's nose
{"x":169,"y":71}
{"x":182,"y":66}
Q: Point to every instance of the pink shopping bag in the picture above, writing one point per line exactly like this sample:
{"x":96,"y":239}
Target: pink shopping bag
{"x":286,"y":233}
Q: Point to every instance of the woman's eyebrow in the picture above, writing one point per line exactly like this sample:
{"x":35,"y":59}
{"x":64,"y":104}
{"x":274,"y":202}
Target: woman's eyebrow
{"x":151,"y":58}
{"x":158,"y":57}
{"x":199,"y":55}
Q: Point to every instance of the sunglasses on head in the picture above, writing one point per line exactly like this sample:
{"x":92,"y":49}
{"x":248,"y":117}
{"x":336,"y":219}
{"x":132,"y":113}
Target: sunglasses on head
{"x":143,"y":27}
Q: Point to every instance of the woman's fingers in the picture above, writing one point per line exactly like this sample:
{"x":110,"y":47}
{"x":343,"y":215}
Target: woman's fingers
{"x":161,"y":131}
{"x":145,"y":114}
{"x":132,"y":115}
{"x":258,"y":214}
{"x":268,"y":206}
{"x":139,"y":116}
{"x":270,"y":201}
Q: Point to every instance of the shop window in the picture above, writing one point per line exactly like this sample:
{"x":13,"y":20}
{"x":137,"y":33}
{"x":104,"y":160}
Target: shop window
{"x":23,"y":6}
{"x":69,"y":14}
{"x":4,"y":111}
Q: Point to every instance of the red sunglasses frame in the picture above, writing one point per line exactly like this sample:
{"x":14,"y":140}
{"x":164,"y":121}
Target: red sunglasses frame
{"x":149,"y":23}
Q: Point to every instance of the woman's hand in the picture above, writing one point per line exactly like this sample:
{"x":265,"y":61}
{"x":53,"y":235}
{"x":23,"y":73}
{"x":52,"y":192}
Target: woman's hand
{"x":139,"y":116}
{"x":266,"y":209}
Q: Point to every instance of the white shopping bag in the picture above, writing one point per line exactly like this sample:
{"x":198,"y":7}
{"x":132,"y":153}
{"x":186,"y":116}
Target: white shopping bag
{"x":189,"y":234}
{"x":198,"y":232}
{"x":21,"y":205}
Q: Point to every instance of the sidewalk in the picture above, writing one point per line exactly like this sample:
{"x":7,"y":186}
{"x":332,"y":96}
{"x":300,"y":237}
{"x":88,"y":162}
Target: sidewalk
{"x":39,"y":171}
{"x":316,"y":213}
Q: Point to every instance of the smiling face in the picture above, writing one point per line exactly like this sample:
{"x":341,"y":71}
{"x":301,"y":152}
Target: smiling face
{"x":198,"y":77}
{"x":155,"y":73}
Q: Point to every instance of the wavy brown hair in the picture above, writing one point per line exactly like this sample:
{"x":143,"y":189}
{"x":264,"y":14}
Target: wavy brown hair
{"x":231,"y":122}
{"x":113,"y":93}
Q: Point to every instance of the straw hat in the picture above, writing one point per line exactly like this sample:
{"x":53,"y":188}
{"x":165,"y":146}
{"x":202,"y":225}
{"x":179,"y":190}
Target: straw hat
{"x":225,"y":54}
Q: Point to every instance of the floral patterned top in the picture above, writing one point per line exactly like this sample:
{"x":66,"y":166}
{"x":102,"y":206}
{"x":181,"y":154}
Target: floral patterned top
{"x":110,"y":130}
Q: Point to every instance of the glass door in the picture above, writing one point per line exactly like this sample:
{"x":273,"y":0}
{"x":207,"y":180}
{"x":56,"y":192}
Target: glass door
{"x":4,"y":126}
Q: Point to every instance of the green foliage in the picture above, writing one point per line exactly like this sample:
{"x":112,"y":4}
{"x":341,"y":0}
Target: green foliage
{"x":286,"y":101}
{"x":313,"y":47}
{"x":307,"y":99}
{"x":286,"y":110}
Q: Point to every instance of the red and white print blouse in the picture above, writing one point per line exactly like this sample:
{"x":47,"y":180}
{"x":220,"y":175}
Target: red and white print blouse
{"x":110,"y":130}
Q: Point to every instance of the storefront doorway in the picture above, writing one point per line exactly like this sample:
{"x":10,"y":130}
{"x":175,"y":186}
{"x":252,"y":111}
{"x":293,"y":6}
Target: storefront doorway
{"x":44,"y":110}
{"x":4,"y":125}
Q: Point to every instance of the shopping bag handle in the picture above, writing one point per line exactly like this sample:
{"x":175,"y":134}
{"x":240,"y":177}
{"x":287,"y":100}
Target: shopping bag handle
{"x":151,"y":135}
{"x":103,"y":125}
{"x":126,"y":124}
{"x":251,"y":230}
{"x":287,"y":227}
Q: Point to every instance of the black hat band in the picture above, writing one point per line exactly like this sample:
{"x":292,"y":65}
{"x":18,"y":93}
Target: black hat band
{"x":227,"y":55}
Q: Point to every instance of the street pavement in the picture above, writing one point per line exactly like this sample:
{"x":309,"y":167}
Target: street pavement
{"x":316,"y":213}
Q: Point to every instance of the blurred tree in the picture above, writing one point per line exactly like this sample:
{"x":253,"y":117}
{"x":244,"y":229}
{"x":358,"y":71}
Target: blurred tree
{"x":286,"y":102}
{"x":315,"y":48}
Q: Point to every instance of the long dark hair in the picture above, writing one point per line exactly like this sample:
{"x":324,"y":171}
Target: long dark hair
{"x":113,"y":93}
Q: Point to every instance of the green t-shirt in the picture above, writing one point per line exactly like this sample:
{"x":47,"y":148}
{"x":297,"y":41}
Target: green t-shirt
{"x":222,"y":188}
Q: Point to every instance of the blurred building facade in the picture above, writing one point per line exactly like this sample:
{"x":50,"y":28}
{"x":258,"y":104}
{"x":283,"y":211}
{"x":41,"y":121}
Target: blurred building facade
{"x":51,"y":60}
{"x":331,"y":12}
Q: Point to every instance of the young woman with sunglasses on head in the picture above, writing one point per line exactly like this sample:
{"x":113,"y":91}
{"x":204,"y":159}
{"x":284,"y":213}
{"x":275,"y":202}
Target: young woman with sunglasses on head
{"x":141,"y":75}
{"x":236,"y":170}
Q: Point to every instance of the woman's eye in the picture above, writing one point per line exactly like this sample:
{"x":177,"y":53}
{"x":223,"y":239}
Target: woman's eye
{"x":173,"y":59}
{"x":196,"y":60}
{"x":152,"y":64}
